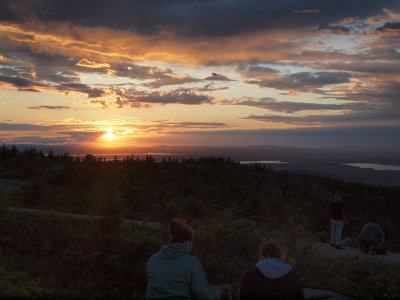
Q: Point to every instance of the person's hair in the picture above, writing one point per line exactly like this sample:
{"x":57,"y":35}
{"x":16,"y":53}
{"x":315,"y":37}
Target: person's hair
{"x":270,"y":249}
{"x":179,"y":231}
{"x":373,"y":219}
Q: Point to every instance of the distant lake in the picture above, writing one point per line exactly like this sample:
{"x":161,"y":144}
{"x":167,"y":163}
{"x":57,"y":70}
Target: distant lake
{"x":247,"y":162}
{"x":378,"y":167}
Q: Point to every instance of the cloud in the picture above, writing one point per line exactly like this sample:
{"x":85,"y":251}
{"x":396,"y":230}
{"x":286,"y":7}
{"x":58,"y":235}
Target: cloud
{"x":341,"y":131}
{"x":169,"y":124}
{"x":217,"y":77}
{"x":256,"y":71}
{"x":303,"y":81}
{"x":142,"y":99}
{"x":349,"y":20}
{"x":103,"y":103}
{"x":49,"y":107}
{"x":336,"y":29}
{"x":271,"y":31}
{"x":37,"y":140}
{"x":171,"y":79}
{"x":172,"y":97}
{"x":82,"y":136}
{"x":80,"y":88}
{"x":134,"y":71}
{"x":390,"y":27}
{"x":380,"y":91}
{"x":351,"y":117}
{"x":24,"y":84}
{"x":22,"y":127}
{"x":191,"y":18}
{"x":135,"y":98}
{"x":20,"y":83}
{"x":387,"y":16}
{"x":209,"y":88}
{"x":334,"y":136}
{"x":290,"y":107}
{"x":37,"y":127}
{"x":91,"y":64}
{"x":374,"y":67}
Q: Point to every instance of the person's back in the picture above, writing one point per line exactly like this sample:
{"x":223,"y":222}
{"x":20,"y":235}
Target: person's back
{"x":271,"y":278}
{"x":173,"y":273}
{"x":337,"y":209}
{"x":371,"y":236}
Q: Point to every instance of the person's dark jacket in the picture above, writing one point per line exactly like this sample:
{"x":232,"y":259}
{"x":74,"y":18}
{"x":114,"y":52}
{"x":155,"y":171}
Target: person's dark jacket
{"x":337,"y":210}
{"x":371,"y":233}
{"x":271,"y":279}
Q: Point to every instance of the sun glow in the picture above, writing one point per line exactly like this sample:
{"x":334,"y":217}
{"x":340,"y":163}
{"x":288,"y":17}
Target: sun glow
{"x":109,"y":135}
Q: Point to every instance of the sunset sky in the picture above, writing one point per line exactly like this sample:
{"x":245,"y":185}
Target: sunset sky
{"x":200,"y":72}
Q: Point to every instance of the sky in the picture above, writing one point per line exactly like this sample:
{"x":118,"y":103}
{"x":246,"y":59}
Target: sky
{"x":200,"y":72}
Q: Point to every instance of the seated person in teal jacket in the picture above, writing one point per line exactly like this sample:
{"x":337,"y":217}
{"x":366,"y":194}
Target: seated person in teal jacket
{"x":173,"y":273}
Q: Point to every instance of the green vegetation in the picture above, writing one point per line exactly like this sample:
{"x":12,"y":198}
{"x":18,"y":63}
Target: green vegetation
{"x":67,"y":257}
{"x":231,"y":206}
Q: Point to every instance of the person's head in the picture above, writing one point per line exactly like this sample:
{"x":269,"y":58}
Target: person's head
{"x":269,"y":249}
{"x":373,"y":220}
{"x":180,"y":232}
{"x":337,"y":197}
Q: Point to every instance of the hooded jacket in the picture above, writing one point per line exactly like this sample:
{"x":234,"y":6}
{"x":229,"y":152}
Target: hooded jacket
{"x":271,"y":279}
{"x":173,"y":273}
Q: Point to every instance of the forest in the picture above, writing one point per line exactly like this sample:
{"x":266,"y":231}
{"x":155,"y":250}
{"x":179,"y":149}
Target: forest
{"x":232,"y":207}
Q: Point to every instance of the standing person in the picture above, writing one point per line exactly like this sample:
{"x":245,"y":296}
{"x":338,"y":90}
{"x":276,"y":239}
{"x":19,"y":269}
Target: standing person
{"x":271,"y":278}
{"x":336,"y":222}
{"x":173,"y":273}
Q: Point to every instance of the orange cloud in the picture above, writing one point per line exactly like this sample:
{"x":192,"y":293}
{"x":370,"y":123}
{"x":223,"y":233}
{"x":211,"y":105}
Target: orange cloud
{"x":349,"y":20}
{"x":388,"y":16}
{"x":390,"y":13}
{"x":91,"y":64}
{"x":108,"y":45}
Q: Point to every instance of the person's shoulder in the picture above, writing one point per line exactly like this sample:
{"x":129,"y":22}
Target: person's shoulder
{"x":153,"y":262}
{"x":192,"y":260}
{"x":292,"y":276}
{"x":251,"y":273}
{"x":154,"y":257}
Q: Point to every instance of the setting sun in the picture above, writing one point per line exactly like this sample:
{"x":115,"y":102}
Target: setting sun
{"x":109,"y":135}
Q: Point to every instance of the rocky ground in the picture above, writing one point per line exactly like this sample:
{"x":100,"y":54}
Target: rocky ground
{"x":348,"y":252}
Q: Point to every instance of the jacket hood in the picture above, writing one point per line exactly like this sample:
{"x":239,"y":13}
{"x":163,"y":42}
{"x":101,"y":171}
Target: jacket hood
{"x":171,"y":251}
{"x":273,"y":268}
